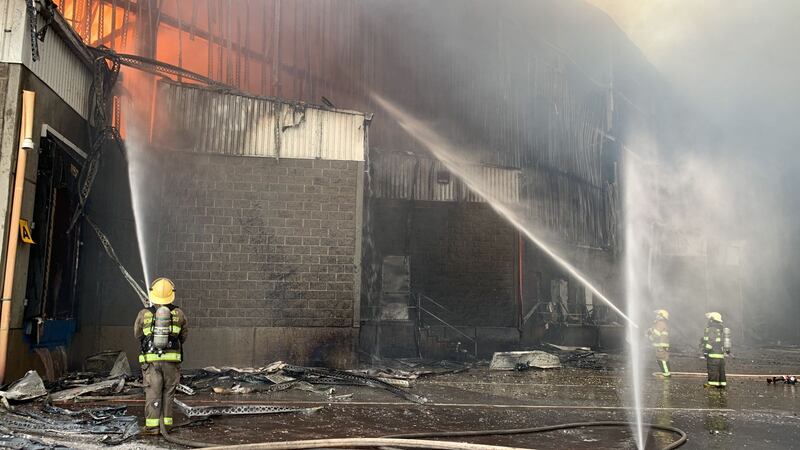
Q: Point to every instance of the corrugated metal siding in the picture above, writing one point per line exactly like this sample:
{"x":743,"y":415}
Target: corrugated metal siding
{"x":58,"y":67}
{"x":62,"y":71}
{"x":207,"y":121}
{"x":575,"y":211}
{"x":532,"y":98}
{"x":406,"y":176}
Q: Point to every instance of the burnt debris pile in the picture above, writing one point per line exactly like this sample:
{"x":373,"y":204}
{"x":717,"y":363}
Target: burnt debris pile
{"x":106,"y":425}
{"x":34,"y":412}
{"x":280,"y":377}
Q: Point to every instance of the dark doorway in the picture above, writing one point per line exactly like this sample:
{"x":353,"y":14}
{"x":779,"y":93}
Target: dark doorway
{"x":53,"y":264}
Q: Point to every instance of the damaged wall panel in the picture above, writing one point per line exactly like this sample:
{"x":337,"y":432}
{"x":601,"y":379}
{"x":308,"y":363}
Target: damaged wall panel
{"x":405,"y":176}
{"x":570,"y":210}
{"x":208,"y":121}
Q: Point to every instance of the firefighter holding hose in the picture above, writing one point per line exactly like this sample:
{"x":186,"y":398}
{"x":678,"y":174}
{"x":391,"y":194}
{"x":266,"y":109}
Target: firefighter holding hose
{"x":715,"y":345}
{"x":161,"y":330}
{"x":658,"y":335}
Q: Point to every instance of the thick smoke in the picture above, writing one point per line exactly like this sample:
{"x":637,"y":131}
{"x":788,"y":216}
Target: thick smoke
{"x":721,"y":202}
{"x":736,"y":62}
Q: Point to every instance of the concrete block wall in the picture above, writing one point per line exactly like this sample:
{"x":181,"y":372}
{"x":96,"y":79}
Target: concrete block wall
{"x":262,"y":251}
{"x":468,"y":262}
{"x":463,"y":255}
{"x":260,"y":241}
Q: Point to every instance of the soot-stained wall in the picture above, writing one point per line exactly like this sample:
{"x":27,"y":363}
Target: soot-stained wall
{"x":264,"y":254}
{"x":260,"y":241}
{"x":463,"y":255}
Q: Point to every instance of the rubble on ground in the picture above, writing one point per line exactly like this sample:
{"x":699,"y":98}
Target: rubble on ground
{"x":108,"y":375}
{"x":114,"y":362}
{"x":580,"y":357}
{"x":19,"y":441}
{"x":411,"y":368}
{"x":521,"y":360}
{"x":100,"y":425}
{"x":238,"y":410}
{"x":35,"y":409}
{"x":26,"y":388}
{"x":585,"y":360}
{"x":114,"y":385}
{"x":280,"y":376}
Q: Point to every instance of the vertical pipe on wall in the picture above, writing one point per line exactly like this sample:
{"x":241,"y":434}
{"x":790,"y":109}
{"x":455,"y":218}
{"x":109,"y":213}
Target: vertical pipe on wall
{"x":26,"y":143}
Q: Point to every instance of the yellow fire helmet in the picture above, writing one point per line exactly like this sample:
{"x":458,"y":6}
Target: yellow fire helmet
{"x":663,"y":313}
{"x":162,"y":291}
{"x":715,"y":316}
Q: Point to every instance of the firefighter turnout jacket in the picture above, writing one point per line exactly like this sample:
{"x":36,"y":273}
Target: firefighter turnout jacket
{"x":712,"y":343}
{"x":659,"y":334}
{"x":143,"y":330}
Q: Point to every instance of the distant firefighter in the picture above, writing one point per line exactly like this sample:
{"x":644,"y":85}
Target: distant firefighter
{"x":715,"y":345}
{"x":659,"y":338}
{"x":161,"y":330}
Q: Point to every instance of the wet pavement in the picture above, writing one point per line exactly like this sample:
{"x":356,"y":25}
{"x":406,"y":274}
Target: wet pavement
{"x":749,"y":414}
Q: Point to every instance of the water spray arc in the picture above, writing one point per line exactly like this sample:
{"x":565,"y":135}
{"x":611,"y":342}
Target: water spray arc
{"x":137,"y":175}
{"x":443,"y":151}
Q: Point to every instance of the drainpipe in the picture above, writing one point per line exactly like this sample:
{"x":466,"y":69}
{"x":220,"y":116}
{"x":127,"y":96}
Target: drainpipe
{"x":26,"y":144}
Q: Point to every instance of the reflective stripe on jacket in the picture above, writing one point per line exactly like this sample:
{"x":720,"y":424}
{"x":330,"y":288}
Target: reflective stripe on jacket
{"x":712,"y":344}
{"x":169,"y":356}
{"x":659,"y":334}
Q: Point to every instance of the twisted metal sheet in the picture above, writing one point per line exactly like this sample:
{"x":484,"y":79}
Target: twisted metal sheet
{"x":237,"y":410}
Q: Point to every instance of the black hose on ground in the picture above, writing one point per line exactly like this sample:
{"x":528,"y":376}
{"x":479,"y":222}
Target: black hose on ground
{"x":564,"y":426}
{"x":415,"y":437}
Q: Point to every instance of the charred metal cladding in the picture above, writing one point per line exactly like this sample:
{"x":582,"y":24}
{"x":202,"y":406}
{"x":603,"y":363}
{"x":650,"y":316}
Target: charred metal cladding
{"x":408,"y":176}
{"x":210,"y":121}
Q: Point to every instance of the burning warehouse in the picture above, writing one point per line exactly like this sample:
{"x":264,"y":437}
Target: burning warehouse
{"x":311,"y":232}
{"x":323,"y":183}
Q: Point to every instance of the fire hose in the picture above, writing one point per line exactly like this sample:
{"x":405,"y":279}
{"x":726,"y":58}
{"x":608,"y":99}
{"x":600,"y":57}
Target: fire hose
{"x":415,"y":440}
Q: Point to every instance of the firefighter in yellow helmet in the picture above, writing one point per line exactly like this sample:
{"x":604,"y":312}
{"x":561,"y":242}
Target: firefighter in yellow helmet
{"x":161,"y":330}
{"x":715,"y":344}
{"x":658,"y":334}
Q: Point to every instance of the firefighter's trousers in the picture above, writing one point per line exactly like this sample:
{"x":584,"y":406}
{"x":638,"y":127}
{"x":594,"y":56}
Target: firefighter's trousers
{"x":716,"y":372}
{"x":161,"y":378}
{"x":662,"y":356}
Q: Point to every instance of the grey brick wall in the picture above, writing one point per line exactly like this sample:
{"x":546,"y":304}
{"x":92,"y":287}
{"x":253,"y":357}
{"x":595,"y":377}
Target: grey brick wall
{"x":260,"y":242}
{"x":463,"y":255}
